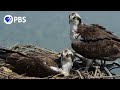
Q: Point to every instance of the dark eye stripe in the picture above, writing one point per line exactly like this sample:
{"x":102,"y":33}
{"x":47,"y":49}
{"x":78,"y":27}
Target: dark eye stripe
{"x":69,"y":55}
{"x":74,"y":18}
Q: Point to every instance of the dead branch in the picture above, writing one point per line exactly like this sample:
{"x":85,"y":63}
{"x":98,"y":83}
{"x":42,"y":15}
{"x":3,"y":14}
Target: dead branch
{"x":81,"y":77}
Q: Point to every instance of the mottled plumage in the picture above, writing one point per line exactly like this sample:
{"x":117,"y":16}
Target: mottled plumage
{"x":95,"y":41}
{"x":95,"y":32}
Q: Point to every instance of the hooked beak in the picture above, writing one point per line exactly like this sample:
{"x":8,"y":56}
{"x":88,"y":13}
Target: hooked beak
{"x":69,"y":21}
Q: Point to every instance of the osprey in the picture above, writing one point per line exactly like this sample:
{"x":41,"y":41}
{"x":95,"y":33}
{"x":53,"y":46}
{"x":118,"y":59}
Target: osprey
{"x":93,"y":41}
{"x":66,"y":62}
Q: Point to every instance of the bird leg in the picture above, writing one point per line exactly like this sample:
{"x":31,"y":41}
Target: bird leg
{"x":89,"y":62}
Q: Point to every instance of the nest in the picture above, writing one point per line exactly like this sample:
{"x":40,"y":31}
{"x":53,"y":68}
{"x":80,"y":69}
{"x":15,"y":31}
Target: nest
{"x":30,"y":62}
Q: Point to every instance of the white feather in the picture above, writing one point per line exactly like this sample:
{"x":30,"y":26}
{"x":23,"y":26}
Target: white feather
{"x":55,"y":68}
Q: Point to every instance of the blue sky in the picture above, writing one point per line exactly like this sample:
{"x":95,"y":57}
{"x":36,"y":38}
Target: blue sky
{"x":50,"y":29}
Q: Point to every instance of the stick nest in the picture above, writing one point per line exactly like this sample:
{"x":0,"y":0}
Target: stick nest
{"x":31,"y":62}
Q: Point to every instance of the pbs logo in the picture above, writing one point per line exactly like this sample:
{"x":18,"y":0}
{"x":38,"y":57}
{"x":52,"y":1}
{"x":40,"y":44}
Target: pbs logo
{"x":8,"y":19}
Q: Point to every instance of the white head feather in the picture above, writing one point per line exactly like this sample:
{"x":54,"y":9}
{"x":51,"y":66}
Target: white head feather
{"x":67,"y":61}
{"x":74,"y":21}
{"x":74,"y":15}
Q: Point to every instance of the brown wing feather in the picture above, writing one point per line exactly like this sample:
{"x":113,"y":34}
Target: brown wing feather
{"x":98,"y":49}
{"x":94,"y":32}
{"x":101,"y":27}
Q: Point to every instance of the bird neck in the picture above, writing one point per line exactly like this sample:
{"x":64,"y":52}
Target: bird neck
{"x":66,"y":66}
{"x":73,"y":30}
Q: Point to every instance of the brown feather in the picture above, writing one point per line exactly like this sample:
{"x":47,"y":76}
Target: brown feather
{"x":94,"y":32}
{"x":97,"y":43}
{"x":97,"y":49}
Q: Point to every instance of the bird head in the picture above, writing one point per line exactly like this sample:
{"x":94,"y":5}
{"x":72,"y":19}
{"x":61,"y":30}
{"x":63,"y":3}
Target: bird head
{"x":67,"y":57}
{"x":74,"y":18}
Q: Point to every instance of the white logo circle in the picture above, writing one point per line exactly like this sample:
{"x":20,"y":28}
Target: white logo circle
{"x":8,"y":19}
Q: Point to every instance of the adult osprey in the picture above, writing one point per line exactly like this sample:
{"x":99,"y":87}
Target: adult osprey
{"x":93,"y":41}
